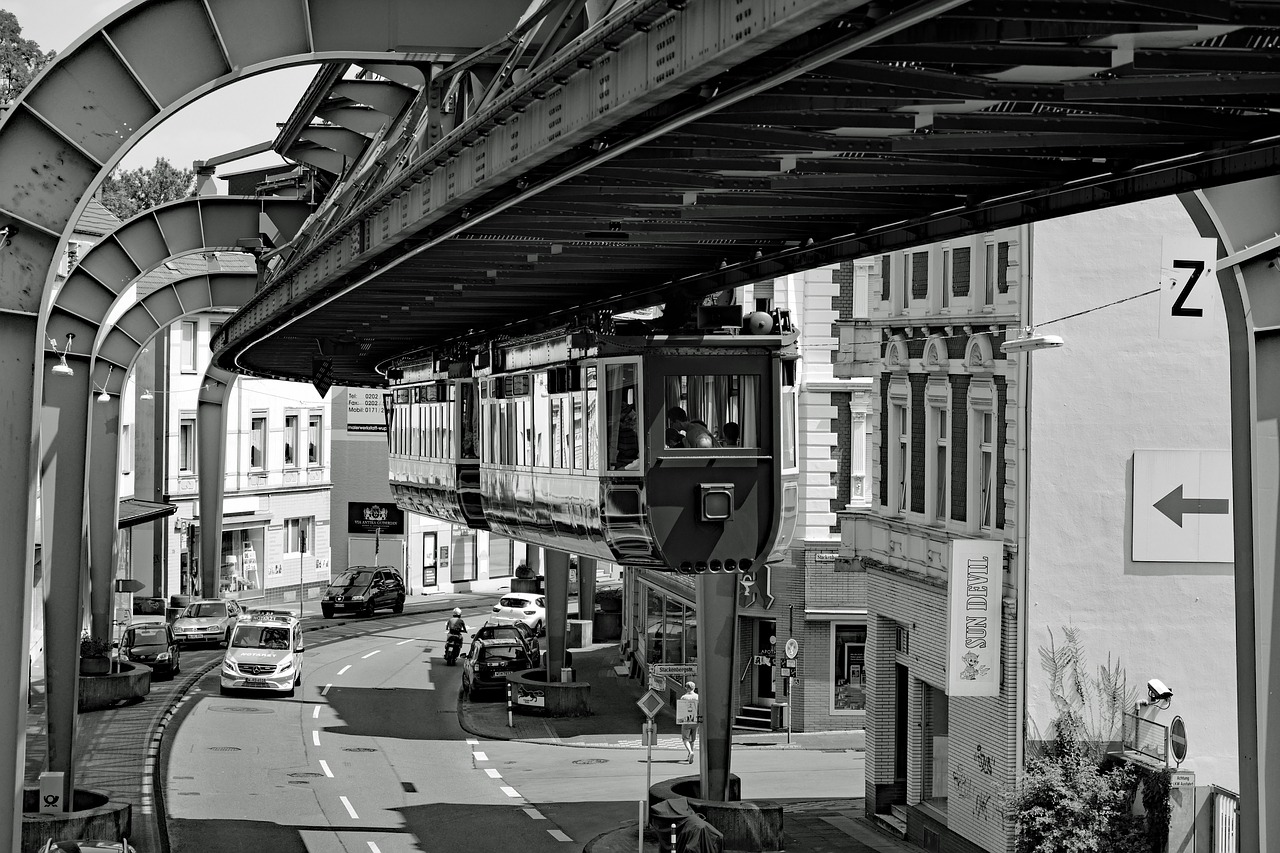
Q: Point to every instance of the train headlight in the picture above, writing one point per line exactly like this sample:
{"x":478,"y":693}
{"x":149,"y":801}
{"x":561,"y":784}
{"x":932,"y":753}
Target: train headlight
{"x":717,"y":501}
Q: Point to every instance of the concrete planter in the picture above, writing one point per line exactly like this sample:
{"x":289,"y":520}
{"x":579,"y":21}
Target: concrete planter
{"x":754,"y":826}
{"x":559,"y":698}
{"x":95,"y":666}
{"x":93,"y":815}
{"x":131,"y":684}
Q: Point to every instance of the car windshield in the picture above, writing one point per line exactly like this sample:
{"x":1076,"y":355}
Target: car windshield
{"x":352,"y":578}
{"x":260,"y":637}
{"x":207,"y":609}
{"x":512,"y":601}
{"x":501,"y":653}
{"x":493,"y":631}
{"x":150,"y":636}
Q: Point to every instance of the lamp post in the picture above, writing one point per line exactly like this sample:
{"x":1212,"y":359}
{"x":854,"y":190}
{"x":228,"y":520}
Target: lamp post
{"x":302,"y":559}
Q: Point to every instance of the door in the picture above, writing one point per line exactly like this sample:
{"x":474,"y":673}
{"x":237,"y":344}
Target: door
{"x":766,"y":641}
{"x":900,"y":725}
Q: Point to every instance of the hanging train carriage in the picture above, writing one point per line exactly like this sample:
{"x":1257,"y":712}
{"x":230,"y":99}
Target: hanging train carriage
{"x":669,"y":452}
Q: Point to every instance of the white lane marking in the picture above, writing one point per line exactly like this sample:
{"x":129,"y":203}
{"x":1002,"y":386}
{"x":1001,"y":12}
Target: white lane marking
{"x":325,"y":690}
{"x":315,"y":737}
{"x":493,"y":774}
{"x":373,"y":848}
{"x":558,"y":835}
{"x":479,"y":756}
{"x":351,"y":811}
{"x":315,"y":712}
{"x":366,"y":657}
{"x":324,"y":765}
{"x":401,"y":643}
{"x":535,"y":814}
{"x":509,"y":791}
{"x":344,"y":669}
{"x":472,"y":741}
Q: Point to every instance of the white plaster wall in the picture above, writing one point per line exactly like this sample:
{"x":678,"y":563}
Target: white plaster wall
{"x":1116,"y":386}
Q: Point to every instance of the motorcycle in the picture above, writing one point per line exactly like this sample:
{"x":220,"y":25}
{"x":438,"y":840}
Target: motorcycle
{"x":452,"y":646}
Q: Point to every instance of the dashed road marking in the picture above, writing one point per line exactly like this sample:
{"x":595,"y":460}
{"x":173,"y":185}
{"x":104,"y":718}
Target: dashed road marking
{"x":492,"y":774}
{"x":315,"y":712}
{"x":480,"y":756}
{"x":350,"y":809}
{"x":401,"y":643}
{"x":535,"y":814}
{"x":472,"y":741}
{"x":344,"y":669}
{"x":366,"y":657}
{"x":558,"y":835}
{"x":315,"y":737}
{"x":325,"y":690}
{"x":324,"y":765}
{"x":373,"y":848}
{"x":509,"y":791}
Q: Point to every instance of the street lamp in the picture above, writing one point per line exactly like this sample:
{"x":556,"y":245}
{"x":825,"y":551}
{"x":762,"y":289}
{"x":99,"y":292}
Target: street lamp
{"x":302,"y":557}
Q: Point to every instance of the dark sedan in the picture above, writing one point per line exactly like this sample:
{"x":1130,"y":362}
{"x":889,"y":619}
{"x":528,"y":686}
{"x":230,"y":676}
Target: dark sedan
{"x":152,"y":644}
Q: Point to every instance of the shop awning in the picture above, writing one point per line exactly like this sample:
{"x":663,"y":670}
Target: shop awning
{"x":134,"y":511}
{"x":831,"y":614}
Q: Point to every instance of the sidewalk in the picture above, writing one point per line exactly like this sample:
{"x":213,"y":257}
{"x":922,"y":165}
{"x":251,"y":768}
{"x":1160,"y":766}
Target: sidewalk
{"x":116,"y":748}
{"x":809,"y":826}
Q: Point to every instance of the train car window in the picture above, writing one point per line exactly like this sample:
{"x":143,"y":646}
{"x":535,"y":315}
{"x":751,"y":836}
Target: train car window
{"x":468,"y":416}
{"x":579,"y":462}
{"x":541,"y":425}
{"x":621,"y":382}
{"x":718,"y":410}
{"x":592,"y":443}
{"x":788,"y":401}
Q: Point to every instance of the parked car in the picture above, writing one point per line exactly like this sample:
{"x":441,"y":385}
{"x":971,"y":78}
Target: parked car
{"x":88,"y":845}
{"x":207,"y":621}
{"x":364,"y":589}
{"x":518,"y":631}
{"x":527,"y":607}
{"x":265,"y":653}
{"x":487,"y":666}
{"x":152,"y":643}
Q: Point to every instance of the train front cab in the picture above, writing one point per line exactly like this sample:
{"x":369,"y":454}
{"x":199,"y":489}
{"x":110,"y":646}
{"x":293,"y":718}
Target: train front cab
{"x":715,"y":485}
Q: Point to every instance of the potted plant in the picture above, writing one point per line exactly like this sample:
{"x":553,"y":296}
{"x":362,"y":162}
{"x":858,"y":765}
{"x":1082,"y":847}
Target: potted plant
{"x":609,"y":600}
{"x":95,"y":656}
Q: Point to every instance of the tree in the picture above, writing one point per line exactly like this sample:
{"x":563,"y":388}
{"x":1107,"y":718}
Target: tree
{"x":129,"y":192}
{"x":20,"y":58}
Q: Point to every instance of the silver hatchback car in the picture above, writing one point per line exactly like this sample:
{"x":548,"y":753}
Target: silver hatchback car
{"x":207,"y":621}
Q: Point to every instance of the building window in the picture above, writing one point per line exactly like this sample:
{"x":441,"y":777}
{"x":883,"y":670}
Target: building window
{"x":900,"y":424}
{"x":849,"y":681}
{"x":258,"y":441}
{"x":187,"y":357}
{"x":919,"y":275}
{"x":126,"y":449}
{"x":299,"y":535}
{"x":187,"y":445}
{"x":959,"y":280}
{"x":941,"y":464}
{"x":290,"y":439}
{"x":315,"y":434}
{"x":987,"y":456}
{"x":944,"y":292}
{"x":989,"y":275}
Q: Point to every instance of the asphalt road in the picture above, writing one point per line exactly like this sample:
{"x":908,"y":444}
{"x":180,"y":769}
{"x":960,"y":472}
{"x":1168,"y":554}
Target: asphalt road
{"x":368,"y":756}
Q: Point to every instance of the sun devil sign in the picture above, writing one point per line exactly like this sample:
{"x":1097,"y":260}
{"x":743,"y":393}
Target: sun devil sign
{"x":974,"y":591}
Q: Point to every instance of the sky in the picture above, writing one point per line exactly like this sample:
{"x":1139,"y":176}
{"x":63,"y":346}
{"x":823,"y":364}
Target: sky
{"x":237,"y":116}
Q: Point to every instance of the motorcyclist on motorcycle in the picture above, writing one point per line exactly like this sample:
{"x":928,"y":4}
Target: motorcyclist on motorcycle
{"x":455,"y":628}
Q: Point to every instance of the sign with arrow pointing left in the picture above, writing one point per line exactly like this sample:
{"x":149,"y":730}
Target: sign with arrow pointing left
{"x":1182,"y":506}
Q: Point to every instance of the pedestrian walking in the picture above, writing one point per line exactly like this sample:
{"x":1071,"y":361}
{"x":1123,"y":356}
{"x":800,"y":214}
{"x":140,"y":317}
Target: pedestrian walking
{"x":687,"y":709}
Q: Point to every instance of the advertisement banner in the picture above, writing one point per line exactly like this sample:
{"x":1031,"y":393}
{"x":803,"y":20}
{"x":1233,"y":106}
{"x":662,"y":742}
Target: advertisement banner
{"x":365,"y":413}
{"x":973,"y":592}
{"x":375,"y":518}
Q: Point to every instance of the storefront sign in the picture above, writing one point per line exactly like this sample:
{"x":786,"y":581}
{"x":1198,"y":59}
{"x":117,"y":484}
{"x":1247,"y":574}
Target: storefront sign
{"x":974,"y":591}
{"x":375,"y":518}
{"x":364,"y":410}
{"x":754,"y":588}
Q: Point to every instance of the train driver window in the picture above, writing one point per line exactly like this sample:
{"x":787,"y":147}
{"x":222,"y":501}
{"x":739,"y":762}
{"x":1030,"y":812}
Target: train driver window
{"x":712,"y":411}
{"x":622,"y":436}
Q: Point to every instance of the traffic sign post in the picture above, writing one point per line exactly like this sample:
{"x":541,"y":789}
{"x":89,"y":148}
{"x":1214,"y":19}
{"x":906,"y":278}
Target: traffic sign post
{"x":129,"y":585}
{"x":1178,"y":740}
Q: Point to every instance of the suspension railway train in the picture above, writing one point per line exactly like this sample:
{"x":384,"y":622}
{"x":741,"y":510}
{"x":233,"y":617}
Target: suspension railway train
{"x":672,"y":452}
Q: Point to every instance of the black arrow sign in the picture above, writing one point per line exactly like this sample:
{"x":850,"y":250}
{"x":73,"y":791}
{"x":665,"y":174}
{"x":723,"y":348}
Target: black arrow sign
{"x":1174,"y":506}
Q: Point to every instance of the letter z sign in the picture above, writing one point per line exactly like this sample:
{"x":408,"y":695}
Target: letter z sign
{"x":1190,"y":302}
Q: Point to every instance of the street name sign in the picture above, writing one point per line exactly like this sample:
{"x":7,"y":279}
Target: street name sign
{"x":673,"y":670}
{"x":1182,"y":506}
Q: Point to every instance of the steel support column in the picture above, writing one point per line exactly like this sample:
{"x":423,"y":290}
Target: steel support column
{"x":1240,"y":216}
{"x":717,"y":629}
{"x":211,"y":453}
{"x":557,"y":574}
{"x":104,"y":511}
{"x":586,"y":587}
{"x":64,"y":437}
{"x":17,"y":502}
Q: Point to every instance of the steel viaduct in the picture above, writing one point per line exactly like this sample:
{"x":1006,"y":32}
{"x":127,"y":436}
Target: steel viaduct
{"x":501,"y":169}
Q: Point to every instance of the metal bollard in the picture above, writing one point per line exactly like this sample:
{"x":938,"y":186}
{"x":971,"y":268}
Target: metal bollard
{"x":674,"y":849}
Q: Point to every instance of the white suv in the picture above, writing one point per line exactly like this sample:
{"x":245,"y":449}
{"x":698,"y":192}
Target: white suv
{"x":265,"y":653}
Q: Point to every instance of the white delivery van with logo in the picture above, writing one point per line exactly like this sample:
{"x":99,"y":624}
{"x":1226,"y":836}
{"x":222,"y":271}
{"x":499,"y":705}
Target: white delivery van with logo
{"x":265,"y":653}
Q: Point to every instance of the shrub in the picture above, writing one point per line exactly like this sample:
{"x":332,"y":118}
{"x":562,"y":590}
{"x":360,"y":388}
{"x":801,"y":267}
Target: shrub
{"x":93,"y":648}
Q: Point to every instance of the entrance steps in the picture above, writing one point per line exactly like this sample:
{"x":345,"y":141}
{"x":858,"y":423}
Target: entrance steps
{"x":894,"y":820}
{"x":757,"y":718}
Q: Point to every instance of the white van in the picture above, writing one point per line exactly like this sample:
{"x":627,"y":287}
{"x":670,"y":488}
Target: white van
{"x":265,"y":653}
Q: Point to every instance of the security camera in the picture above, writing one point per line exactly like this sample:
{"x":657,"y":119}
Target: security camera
{"x":1157,"y":691}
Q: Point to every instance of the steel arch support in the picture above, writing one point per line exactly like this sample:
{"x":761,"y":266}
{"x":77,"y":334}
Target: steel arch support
{"x":1242,"y":216}
{"x":211,"y":449}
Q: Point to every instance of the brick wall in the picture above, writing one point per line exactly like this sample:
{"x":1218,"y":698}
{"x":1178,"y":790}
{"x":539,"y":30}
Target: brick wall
{"x":844,"y":302}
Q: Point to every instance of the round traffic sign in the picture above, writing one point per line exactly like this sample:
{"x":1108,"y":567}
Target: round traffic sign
{"x":792,"y":649}
{"x":1178,"y":739}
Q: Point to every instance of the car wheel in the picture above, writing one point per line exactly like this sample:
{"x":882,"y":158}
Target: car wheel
{"x":327,"y":612}
{"x":226,"y":639}
{"x":539,"y":629}
{"x":222,"y":691}
{"x":398,"y":607}
{"x":367,"y":610}
{"x":177,"y":664}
